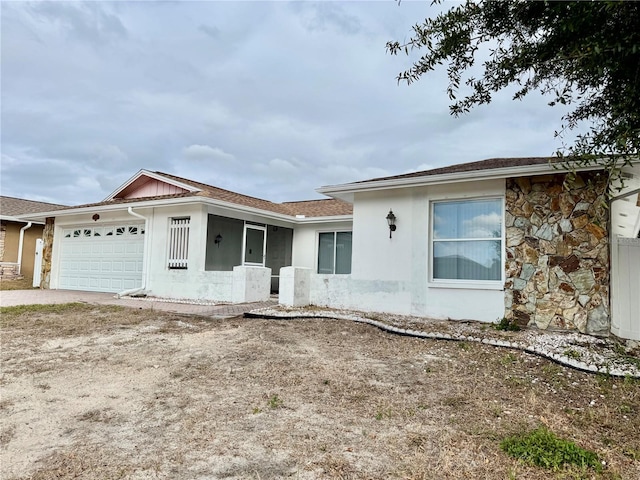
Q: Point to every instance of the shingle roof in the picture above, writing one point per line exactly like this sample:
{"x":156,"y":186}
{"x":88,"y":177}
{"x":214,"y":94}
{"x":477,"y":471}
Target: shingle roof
{"x":489,"y":164}
{"x":210,"y":191}
{"x":12,"y":207}
{"x":311,"y":208}
{"x":320,"y":208}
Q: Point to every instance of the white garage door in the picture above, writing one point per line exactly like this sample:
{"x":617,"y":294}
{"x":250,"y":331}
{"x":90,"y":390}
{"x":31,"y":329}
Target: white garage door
{"x":107,"y":258}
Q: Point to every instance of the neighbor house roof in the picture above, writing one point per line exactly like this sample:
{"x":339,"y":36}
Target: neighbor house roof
{"x":12,"y":207}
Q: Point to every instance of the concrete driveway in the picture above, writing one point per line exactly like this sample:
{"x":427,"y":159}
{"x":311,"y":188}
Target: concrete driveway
{"x":30,"y":297}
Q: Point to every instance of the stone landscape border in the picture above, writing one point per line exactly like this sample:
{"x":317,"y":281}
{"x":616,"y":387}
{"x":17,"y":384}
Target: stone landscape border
{"x":550,"y":351}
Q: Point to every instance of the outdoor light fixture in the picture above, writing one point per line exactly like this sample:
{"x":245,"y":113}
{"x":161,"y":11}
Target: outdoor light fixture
{"x":218,"y":240}
{"x":95,"y":217}
{"x":391,"y":220}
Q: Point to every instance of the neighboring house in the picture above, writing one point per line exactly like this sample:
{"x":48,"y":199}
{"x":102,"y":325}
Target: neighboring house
{"x":482,"y":240}
{"x":18,"y":237}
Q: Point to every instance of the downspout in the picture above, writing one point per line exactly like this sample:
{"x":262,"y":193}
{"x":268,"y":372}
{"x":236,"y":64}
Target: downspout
{"x":144,"y":258}
{"x":21,"y":244}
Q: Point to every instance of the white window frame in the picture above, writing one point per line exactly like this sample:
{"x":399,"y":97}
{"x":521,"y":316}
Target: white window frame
{"x":335,"y":248}
{"x":178,"y":243}
{"x":468,"y":284}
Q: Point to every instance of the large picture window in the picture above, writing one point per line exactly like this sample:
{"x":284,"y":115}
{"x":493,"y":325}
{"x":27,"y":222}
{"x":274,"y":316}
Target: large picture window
{"x":334,"y":253}
{"x":467,"y":240}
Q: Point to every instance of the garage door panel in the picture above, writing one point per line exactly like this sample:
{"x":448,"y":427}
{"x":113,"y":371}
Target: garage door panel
{"x":130,"y":267}
{"x":91,"y":259}
{"x":128,"y":284}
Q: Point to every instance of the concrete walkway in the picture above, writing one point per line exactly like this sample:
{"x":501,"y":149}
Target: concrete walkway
{"x":31,"y":297}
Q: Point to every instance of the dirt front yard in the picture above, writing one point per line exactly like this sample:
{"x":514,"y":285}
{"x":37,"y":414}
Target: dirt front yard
{"x":99,"y":392}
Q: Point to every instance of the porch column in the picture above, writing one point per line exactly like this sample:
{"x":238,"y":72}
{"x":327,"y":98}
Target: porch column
{"x":295,"y":286}
{"x":251,"y":284}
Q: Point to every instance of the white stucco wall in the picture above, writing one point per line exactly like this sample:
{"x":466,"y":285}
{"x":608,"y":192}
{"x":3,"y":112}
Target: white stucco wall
{"x":392,"y":274}
{"x":193,"y":282}
{"x":305,"y":242}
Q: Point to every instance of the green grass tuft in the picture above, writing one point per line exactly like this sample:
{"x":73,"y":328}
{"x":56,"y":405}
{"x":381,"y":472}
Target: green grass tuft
{"x":275,"y":402}
{"x":506,"y":325}
{"x":543,"y":448}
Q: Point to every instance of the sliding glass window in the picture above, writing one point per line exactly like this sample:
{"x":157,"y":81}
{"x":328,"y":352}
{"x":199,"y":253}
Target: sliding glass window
{"x":334,"y":252}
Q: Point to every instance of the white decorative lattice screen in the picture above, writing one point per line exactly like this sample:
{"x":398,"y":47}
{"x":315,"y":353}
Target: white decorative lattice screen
{"x":179,"y":242}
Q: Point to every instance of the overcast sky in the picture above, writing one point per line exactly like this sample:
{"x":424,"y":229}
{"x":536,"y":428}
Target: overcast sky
{"x":269,"y":99}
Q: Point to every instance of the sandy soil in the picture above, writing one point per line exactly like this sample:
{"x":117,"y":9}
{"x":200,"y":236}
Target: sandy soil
{"x":106,"y":392}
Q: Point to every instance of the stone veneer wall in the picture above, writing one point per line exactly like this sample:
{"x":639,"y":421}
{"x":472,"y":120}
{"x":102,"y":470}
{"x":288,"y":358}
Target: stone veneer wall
{"x":47,"y":248}
{"x":9,"y":271}
{"x":3,"y":232}
{"x":557,"y":247}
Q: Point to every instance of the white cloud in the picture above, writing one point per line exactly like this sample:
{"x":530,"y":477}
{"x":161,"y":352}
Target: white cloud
{"x":111,"y":153}
{"x":206,"y":153}
{"x":280,"y":97}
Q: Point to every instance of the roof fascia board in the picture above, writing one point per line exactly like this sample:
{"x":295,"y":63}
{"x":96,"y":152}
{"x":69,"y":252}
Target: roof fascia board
{"x":626,"y":194}
{"x":274,"y":215}
{"x":154,"y":176}
{"x":458,"y":177}
{"x":331,"y":219}
{"x":184,"y":201}
{"x":245,"y":209}
{"x":9,"y":218}
{"x":113,"y":207}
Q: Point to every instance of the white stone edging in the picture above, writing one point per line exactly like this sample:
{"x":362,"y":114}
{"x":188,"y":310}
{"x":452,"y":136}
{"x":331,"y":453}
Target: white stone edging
{"x":271,"y":313}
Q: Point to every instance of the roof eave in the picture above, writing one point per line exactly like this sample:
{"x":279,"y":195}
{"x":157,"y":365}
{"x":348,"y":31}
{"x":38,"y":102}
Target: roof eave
{"x":10,"y":218}
{"x":327,"y":219}
{"x":343,"y":191}
{"x":111,"y":207}
{"x":181,"y":201}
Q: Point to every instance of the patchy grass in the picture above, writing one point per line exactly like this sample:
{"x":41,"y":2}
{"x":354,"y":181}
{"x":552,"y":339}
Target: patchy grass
{"x":25,"y":283}
{"x":543,"y":448}
{"x":107,"y":392}
{"x":68,"y":319}
{"x":60,"y":308}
